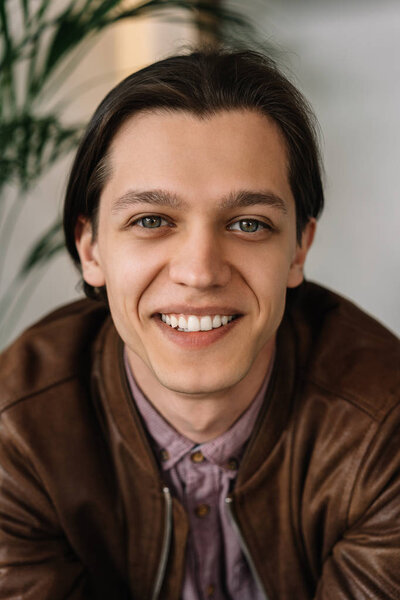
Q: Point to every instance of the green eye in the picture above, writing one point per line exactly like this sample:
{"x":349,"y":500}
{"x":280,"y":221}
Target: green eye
{"x":151,"y":222}
{"x":248,"y":226}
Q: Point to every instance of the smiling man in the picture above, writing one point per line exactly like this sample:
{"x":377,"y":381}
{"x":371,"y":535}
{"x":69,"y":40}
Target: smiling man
{"x":207,"y":424}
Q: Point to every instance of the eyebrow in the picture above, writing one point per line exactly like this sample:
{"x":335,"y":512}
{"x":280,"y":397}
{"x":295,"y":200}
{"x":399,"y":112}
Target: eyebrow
{"x":159,"y":197}
{"x":245,"y":198}
{"x":153,"y":197}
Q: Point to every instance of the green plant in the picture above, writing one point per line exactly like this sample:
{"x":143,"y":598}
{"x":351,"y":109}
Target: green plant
{"x":38,"y":49}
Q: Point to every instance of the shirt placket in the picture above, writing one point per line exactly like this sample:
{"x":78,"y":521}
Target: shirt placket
{"x":201,"y":498}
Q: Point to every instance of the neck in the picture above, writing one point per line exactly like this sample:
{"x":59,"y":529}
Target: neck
{"x":202,"y":418}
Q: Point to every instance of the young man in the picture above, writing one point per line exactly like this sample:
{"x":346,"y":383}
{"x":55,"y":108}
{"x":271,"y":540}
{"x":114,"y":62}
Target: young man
{"x":208,"y":425}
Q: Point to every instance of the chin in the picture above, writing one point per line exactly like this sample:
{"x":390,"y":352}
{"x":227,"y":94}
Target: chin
{"x":193,"y":381}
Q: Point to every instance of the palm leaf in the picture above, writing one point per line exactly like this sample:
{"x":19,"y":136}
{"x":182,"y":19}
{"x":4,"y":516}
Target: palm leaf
{"x":47,"y":246}
{"x":7,"y":54}
{"x":73,"y":27}
{"x":25,"y":10}
{"x":31,"y":145}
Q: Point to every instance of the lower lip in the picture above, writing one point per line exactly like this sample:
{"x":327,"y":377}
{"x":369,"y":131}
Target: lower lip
{"x":195,"y":339}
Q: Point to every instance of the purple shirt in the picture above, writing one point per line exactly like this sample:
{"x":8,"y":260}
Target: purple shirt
{"x":201,"y":477}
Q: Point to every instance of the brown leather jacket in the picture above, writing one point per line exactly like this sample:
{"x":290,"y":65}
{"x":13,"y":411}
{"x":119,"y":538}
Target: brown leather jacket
{"x":84,"y":513}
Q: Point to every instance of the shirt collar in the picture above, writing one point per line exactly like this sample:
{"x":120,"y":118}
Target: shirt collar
{"x":225,"y":451}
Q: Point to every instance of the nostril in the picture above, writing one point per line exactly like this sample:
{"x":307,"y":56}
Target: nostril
{"x":200,"y":274}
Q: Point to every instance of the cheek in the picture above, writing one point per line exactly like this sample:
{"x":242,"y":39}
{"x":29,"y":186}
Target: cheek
{"x":268,"y":279}
{"x":270,"y":271}
{"x":129,"y":271}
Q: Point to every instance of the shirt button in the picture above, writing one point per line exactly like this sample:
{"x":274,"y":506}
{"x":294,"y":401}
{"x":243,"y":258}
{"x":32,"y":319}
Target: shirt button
{"x":164,"y":455}
{"x":232,"y":464}
{"x":197,"y":457}
{"x":210,"y":591}
{"x":202,"y":510}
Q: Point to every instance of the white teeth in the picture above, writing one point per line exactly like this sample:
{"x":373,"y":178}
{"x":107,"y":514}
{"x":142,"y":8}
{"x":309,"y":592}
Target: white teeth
{"x":194,"y":323}
{"x":216,"y":321}
{"x":205,"y":323}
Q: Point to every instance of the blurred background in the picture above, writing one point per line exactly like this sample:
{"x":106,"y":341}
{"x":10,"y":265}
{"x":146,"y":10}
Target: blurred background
{"x":59,"y":58}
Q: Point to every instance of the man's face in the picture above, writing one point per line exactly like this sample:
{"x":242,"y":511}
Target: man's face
{"x":196,"y":227}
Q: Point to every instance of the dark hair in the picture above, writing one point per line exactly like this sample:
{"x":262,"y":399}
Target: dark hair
{"x":202,"y":83}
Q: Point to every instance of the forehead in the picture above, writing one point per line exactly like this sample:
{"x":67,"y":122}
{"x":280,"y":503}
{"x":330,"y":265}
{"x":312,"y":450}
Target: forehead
{"x":197,"y":157}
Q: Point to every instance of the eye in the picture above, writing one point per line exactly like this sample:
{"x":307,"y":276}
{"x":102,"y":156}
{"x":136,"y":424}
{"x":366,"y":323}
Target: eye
{"x":249,"y":226}
{"x":150,"y":222}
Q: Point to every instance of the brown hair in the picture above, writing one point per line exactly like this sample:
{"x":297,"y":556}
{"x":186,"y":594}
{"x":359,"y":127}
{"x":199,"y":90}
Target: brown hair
{"x":203,"y":83}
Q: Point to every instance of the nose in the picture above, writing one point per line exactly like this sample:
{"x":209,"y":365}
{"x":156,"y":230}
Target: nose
{"x":198,"y":261}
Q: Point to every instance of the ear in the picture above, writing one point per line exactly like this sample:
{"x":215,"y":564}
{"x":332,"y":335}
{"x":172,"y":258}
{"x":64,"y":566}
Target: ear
{"x":88,"y":252}
{"x":296,"y":274}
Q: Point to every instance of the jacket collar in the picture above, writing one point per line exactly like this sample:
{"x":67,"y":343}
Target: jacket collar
{"x":113,"y":391}
{"x":274,"y":414}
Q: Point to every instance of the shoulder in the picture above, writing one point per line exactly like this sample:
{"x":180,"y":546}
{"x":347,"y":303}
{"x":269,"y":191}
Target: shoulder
{"x":51,"y":352}
{"x":343,"y":351}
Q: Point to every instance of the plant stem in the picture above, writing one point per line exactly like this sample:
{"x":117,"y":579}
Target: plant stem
{"x":8,"y":227}
{"x":8,"y":76}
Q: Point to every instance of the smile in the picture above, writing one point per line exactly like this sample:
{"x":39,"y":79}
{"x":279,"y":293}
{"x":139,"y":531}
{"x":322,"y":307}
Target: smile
{"x":190,"y":323}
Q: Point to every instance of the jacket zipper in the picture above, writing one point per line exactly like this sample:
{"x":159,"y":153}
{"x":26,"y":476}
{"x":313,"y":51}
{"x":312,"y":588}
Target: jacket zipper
{"x":244,"y":547}
{"x":166,"y":544}
{"x":162,"y":565}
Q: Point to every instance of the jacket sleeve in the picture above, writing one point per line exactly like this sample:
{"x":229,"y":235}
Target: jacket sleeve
{"x":365,"y":562}
{"x":36,"y":561}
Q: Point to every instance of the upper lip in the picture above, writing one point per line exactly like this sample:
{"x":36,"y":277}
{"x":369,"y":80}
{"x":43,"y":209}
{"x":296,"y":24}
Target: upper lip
{"x":184,"y":309}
